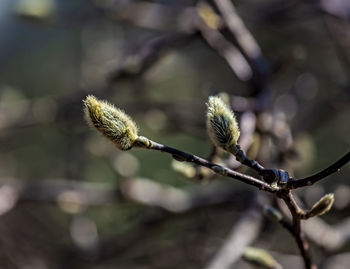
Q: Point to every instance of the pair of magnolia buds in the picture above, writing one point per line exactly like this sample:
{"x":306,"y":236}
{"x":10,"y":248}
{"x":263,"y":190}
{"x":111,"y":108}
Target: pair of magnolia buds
{"x":119,"y":128}
{"x":222,"y":127}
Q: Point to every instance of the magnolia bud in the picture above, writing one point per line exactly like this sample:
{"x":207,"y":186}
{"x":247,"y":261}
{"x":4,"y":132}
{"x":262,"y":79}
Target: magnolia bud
{"x":322,"y":206}
{"x":110,"y":121}
{"x":261,"y":258}
{"x":222,"y":125}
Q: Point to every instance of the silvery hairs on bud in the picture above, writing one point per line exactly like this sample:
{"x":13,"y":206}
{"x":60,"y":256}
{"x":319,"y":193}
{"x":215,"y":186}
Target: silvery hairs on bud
{"x":111,"y":122}
{"x":222,"y":125}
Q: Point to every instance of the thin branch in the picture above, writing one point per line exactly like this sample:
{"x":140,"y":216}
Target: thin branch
{"x":244,"y":38}
{"x":218,"y":169}
{"x":143,"y":58}
{"x":243,"y":159}
{"x":211,"y":158}
{"x":176,"y":200}
{"x":143,"y":191}
{"x":340,"y":260}
{"x":339,"y":10}
{"x":308,"y":181}
{"x":227,"y":50}
{"x":295,"y":229}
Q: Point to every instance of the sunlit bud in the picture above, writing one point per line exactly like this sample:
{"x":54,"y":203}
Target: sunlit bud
{"x":322,"y":206}
{"x":222,"y":125}
{"x":110,"y":121}
{"x":261,"y":258}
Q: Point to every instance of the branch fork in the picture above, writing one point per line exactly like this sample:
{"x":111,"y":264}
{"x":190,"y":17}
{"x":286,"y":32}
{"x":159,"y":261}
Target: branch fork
{"x":224,"y":132}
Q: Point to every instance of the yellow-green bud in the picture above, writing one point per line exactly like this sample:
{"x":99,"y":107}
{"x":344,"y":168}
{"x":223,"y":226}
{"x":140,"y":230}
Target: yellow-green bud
{"x":322,"y":206}
{"x":110,"y":121}
{"x":261,"y":258}
{"x":222,"y":125}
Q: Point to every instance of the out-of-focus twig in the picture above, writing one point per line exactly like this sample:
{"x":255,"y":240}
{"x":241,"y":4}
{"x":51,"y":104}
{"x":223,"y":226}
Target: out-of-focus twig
{"x":338,"y":9}
{"x":142,"y":59}
{"x":338,"y":261}
{"x":227,"y":50}
{"x":175,"y":200}
{"x":243,"y":233}
{"x":143,"y":191}
{"x":329,"y":237}
{"x":247,"y":45}
{"x":244,"y":38}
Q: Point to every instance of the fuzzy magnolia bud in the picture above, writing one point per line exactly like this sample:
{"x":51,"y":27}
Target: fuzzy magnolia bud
{"x":222,"y":125}
{"x":261,"y":258}
{"x":322,"y":206}
{"x":110,"y":121}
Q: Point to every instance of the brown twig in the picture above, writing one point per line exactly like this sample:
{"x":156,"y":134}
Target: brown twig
{"x":308,"y":181}
{"x":243,"y":159}
{"x":211,"y":158}
{"x":282,"y":192}
{"x":138,"y":62}
{"x":295,"y":228}
{"x":218,"y":169}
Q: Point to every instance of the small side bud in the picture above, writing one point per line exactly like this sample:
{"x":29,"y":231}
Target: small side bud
{"x":111,"y":122}
{"x":222,"y":125}
{"x":273,"y":213}
{"x":261,"y":258}
{"x":322,"y":206}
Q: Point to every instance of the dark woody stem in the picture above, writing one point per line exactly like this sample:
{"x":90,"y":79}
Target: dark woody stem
{"x":268,"y":175}
{"x":295,"y":228}
{"x":224,"y":171}
{"x":308,"y":181}
{"x":242,"y":158}
{"x":282,"y":189}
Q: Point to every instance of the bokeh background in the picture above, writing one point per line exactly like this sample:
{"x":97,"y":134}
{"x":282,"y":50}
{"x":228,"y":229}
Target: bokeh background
{"x":69,"y":199}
